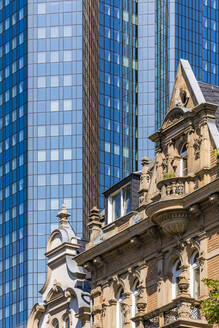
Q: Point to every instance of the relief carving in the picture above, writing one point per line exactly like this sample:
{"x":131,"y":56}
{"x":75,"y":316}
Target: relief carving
{"x":196,"y":147}
{"x":181,"y":97}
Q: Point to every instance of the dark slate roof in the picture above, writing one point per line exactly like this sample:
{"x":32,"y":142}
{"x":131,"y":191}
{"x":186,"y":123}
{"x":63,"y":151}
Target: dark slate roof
{"x":210,"y":92}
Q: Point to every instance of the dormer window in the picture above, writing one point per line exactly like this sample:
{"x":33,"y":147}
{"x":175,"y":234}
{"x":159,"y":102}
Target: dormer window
{"x":121,"y":198}
{"x":183,"y":161}
{"x":120,"y":203}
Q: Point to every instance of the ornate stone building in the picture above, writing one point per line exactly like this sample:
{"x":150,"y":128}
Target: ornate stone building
{"x":65,"y":300}
{"x":148,"y":254}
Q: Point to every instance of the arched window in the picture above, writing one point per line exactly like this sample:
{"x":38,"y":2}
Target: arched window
{"x":119,"y":312}
{"x":176,"y":271}
{"x":194,"y":275}
{"x":135,"y":293}
{"x":67,"y":322}
{"x":183,"y":161}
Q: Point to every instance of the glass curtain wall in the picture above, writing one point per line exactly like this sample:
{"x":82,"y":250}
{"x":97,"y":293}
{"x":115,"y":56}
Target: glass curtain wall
{"x":118,"y":87}
{"x":168,"y":31}
{"x":13,"y":163}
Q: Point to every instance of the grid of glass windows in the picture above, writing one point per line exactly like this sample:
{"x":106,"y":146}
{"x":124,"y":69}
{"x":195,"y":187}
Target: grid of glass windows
{"x":13,"y":163}
{"x":55,"y":114}
{"x":146,"y":77}
{"x":176,"y":29}
{"x":197,"y":37}
{"x":118,"y":88}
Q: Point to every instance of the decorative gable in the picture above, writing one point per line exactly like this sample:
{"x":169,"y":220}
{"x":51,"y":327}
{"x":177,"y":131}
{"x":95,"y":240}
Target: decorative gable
{"x":186,"y":91}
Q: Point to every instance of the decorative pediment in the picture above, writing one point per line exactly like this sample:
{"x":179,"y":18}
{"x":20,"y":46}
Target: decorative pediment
{"x":173,"y":116}
{"x":55,"y":292}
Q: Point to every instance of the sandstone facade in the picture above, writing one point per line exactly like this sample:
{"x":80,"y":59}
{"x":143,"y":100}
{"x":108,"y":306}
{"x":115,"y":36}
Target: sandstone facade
{"x":147,"y":266}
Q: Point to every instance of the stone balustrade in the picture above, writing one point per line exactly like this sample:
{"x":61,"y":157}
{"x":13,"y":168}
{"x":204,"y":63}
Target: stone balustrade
{"x":176,"y":187}
{"x":182,"y":309}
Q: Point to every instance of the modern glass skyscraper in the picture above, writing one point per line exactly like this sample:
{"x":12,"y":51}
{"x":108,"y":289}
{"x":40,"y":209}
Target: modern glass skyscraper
{"x":49,"y":136}
{"x":118,"y":90}
{"x":167,"y":31}
{"x":67,"y":127}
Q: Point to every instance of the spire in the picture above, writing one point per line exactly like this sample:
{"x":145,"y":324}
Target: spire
{"x":63,"y":215}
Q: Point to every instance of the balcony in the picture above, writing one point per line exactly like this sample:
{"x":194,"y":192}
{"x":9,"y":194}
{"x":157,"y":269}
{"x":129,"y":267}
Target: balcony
{"x":176,"y":187}
{"x":182,"y":312}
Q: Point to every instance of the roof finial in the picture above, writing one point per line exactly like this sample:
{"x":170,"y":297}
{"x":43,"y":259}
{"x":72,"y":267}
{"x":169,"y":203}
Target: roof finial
{"x":63,"y":215}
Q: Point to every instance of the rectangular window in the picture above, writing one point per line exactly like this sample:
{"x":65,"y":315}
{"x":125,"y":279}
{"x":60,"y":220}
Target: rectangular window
{"x":41,"y":33}
{"x":116,"y":149}
{"x":54,"y":155}
{"x":21,"y":208}
{"x":107,"y":147}
{"x":41,"y":8}
{"x":54,"y":57}
{"x":54,"y":32}
{"x":41,"y":82}
{"x":54,"y":204}
{"x":21,"y":13}
{"x":54,"y":105}
{"x":119,"y":204}
{"x":54,"y":81}
{"x":21,"y":38}
{"x":14,"y":164}
{"x":67,"y":31}
{"x":41,"y":180}
{"x":67,"y":154}
{"x":41,"y":156}
{"x":68,"y":104}
{"x":41,"y":57}
{"x":21,"y":160}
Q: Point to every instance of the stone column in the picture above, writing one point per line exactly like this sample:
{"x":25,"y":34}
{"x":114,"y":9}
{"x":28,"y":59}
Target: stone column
{"x":190,"y":151}
{"x":126,"y":309}
{"x":84,"y":317}
{"x":97,"y":307}
{"x":203,"y":263}
{"x":106,"y":292}
{"x":112,"y":318}
{"x":205,"y":145}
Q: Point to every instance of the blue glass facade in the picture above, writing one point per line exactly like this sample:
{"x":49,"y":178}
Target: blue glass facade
{"x":54,"y":126}
{"x":118,"y":90}
{"x":49,"y":145}
{"x":13,"y":163}
{"x":169,"y":30}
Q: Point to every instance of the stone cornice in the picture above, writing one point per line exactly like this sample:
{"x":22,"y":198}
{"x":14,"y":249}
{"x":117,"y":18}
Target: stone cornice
{"x":114,"y":241}
{"x":61,"y":247}
{"x":177,"y":127}
{"x":199,"y":195}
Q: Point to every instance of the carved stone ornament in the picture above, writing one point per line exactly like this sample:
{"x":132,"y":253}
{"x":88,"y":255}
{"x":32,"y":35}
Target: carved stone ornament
{"x":173,"y":117}
{"x":164,"y":165}
{"x":181,"y":97}
{"x":196,"y":147}
{"x":141,"y":304}
{"x":125,"y":311}
{"x":173,"y":222}
{"x":104,"y":306}
{"x":183,"y":285}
